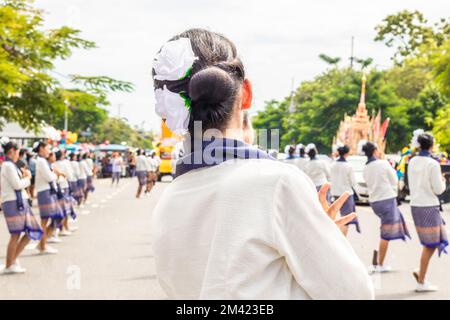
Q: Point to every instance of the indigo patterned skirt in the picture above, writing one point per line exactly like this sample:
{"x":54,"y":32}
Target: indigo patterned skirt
{"x":142,"y":177}
{"x":90,"y":184}
{"x":67,"y":203}
{"x":19,"y":221}
{"x":350,"y":207}
{"x":75,"y":191}
{"x":430,"y":227}
{"x":82,"y":185}
{"x":393,"y":224}
{"x":49,"y":206}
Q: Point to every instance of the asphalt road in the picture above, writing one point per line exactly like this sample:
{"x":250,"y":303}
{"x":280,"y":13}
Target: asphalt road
{"x":110,"y":256}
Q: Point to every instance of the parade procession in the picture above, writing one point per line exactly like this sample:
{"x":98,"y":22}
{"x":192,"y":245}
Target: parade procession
{"x":193,"y":154}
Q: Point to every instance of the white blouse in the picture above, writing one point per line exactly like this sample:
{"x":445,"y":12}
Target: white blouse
{"x":62,"y":181}
{"x":44,"y":176}
{"x":318,"y":171}
{"x":381,"y":180}
{"x":425,"y":181}
{"x":69,"y":169}
{"x":76,"y":169}
{"x":342,"y":178}
{"x":90,"y":164}
{"x":241,"y":230}
{"x":141,"y":163}
{"x":82,"y":171}
{"x":12,"y":180}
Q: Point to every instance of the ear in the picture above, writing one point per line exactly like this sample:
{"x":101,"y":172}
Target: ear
{"x":247,"y":94}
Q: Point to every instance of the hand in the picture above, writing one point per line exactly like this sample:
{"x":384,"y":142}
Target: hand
{"x":335,"y":206}
{"x":25,"y":172}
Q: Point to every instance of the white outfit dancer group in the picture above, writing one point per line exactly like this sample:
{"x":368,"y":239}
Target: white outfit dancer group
{"x":60,"y":185}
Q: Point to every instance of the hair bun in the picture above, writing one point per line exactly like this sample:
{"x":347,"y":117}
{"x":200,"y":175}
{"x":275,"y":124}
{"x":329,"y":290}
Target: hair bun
{"x":211,"y":86}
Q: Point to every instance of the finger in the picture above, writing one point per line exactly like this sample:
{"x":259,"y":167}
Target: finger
{"x":337,"y":205}
{"x":323,"y":196}
{"x":344,"y":220}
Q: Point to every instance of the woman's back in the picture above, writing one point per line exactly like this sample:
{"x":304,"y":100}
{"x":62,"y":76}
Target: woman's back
{"x":251,"y":229}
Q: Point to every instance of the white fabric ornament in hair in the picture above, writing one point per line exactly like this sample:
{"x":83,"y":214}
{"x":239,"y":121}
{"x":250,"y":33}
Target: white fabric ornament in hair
{"x":414,"y":141}
{"x":174,"y":108}
{"x":4,"y":140}
{"x":175,"y":60}
{"x":310,"y":147}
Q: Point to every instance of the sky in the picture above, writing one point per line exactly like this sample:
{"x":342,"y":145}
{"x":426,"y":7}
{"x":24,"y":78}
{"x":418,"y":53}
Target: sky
{"x":279,"y":40}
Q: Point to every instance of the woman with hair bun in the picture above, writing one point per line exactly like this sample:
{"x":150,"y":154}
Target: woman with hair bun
{"x":382,"y":181}
{"x":17,"y":211}
{"x":317,"y":170}
{"x":426,"y":182}
{"x":235,"y":223}
{"x":49,"y":209}
{"x":75,"y":189}
{"x":65,"y":200}
{"x":343,"y":180}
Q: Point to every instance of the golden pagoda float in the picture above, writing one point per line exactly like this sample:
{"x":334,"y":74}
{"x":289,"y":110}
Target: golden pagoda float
{"x":361,"y":127}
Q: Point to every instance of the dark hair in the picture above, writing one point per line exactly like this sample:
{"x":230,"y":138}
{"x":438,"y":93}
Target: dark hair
{"x":79,"y":157}
{"x":302,"y":151}
{"x":312,"y":153}
{"x":214,"y":79}
{"x":58,"y":154}
{"x":40,"y":145}
{"x":369,"y":148}
{"x":8,"y":146}
{"x":426,"y":141}
{"x":22,"y":152}
{"x":343,"y":150}
{"x":72,"y":156}
{"x":291,"y":150}
{"x":84,"y":156}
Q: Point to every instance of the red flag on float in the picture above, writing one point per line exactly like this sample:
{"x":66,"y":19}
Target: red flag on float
{"x":384,"y":128}
{"x":376,"y":124}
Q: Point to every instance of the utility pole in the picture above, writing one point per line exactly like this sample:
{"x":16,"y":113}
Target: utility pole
{"x":351,"y":53}
{"x":66,"y":120}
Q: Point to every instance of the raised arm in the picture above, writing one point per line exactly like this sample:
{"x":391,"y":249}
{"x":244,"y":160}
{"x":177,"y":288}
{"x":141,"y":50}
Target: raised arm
{"x":320,"y":258}
{"x":13,"y":178}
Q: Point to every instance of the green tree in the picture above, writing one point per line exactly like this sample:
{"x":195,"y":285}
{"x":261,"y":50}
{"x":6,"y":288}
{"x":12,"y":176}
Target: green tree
{"x":117,"y":131}
{"x":28,"y":91}
{"x":441,"y":127}
{"x":408,"y":31}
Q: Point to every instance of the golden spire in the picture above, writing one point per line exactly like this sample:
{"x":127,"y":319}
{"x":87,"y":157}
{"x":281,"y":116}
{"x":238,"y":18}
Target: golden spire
{"x":362,"y":100}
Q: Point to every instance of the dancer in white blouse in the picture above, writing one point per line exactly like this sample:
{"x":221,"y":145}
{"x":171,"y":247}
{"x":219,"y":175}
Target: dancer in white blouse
{"x":142,"y":169}
{"x":21,"y":222}
{"x":342,"y":181}
{"x":316,"y":169}
{"x":75,"y":189}
{"x":426,"y":182}
{"x":382,"y":181}
{"x":49,"y":209}
{"x":235,"y":223}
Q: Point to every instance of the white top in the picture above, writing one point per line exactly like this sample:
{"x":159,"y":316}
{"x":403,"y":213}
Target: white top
{"x":241,"y":230}
{"x":85,"y":167}
{"x":76,"y":169}
{"x":90,"y":164}
{"x":300,"y":163}
{"x":116,"y":164}
{"x":70,"y":174}
{"x":342,"y":178}
{"x":82,"y":172}
{"x":381,"y":180}
{"x":61,"y":166}
{"x":11,"y":180}
{"x":318,"y":171}
{"x":44,"y":175}
{"x":425,"y":181}
{"x":152,"y":165}
{"x":141,"y":163}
